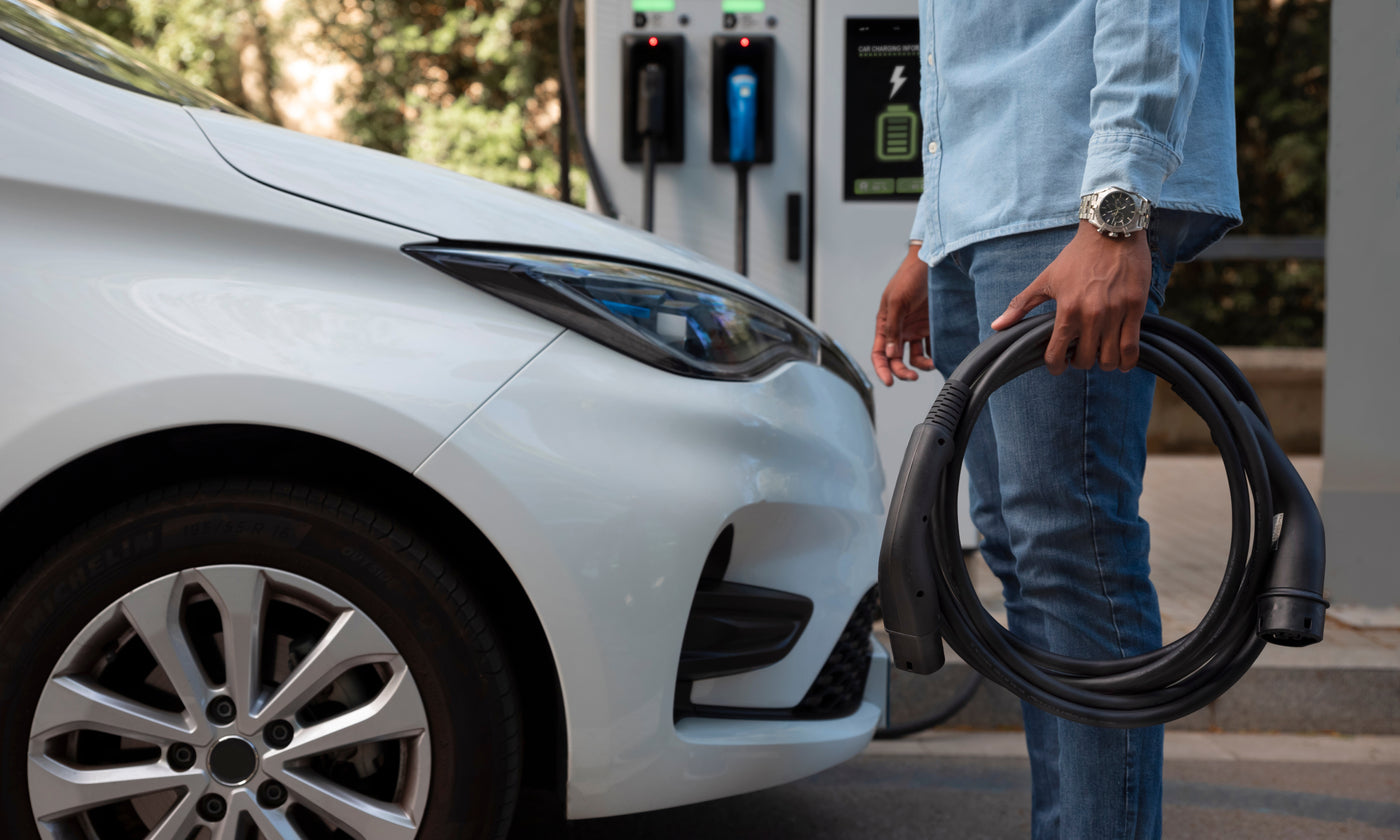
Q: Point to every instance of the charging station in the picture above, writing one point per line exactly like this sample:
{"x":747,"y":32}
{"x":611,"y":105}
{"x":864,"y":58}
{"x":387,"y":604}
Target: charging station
{"x":819,"y":215}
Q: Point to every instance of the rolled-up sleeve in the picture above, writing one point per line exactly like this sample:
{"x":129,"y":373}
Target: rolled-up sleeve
{"x":1147,"y":61}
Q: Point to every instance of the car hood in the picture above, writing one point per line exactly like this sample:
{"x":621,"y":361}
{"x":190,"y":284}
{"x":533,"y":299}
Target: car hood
{"x":441,"y":203}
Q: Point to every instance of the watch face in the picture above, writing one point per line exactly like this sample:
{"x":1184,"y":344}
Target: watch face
{"x":1117,"y":209}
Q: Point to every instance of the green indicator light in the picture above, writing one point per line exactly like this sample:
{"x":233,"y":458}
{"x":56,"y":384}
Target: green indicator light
{"x":659,"y":6}
{"x":742,"y":7}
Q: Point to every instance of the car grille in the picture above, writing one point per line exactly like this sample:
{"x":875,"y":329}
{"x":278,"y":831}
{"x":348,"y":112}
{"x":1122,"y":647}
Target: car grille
{"x":839,"y":688}
{"x":836,"y":692}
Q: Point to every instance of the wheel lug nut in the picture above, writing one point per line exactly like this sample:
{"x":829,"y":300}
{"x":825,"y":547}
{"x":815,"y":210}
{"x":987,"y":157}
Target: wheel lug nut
{"x":221,"y":710}
{"x":271,"y":794}
{"x":211,"y":807}
{"x":181,"y":757}
{"x":278,"y":734}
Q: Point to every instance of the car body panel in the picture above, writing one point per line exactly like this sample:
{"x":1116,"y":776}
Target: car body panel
{"x":442,"y":203}
{"x":163,"y":289}
{"x":578,"y":465}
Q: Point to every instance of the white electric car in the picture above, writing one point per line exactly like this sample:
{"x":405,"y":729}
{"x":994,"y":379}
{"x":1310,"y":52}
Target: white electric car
{"x":345,"y":496}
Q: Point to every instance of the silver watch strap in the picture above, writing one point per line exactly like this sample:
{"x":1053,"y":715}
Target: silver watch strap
{"x":1085,"y":201}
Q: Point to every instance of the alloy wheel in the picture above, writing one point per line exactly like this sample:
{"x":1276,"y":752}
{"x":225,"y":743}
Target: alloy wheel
{"x":230,"y":701}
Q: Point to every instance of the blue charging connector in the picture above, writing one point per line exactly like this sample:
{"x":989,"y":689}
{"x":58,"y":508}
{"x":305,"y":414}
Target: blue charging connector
{"x":743,"y":144}
{"x":743,"y":114}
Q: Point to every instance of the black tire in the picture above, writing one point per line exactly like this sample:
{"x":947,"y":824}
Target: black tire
{"x":401,"y":584}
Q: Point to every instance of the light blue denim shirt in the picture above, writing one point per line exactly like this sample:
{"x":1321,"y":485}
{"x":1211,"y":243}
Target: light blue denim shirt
{"x":1029,"y":104}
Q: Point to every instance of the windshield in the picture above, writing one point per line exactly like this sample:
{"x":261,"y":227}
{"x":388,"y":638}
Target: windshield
{"x":56,"y":37}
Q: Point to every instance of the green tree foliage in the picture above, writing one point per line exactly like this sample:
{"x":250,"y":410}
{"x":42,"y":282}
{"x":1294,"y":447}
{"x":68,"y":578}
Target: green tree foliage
{"x":474,"y":88}
{"x":113,"y":17}
{"x":222,"y":45}
{"x":1281,"y":52}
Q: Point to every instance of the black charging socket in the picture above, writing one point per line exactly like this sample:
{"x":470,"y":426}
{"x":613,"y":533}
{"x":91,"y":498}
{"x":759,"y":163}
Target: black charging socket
{"x":666,"y":53}
{"x":726,"y":53}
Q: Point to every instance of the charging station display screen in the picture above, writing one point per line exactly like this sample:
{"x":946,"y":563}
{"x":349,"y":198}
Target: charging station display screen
{"x":883,"y":131}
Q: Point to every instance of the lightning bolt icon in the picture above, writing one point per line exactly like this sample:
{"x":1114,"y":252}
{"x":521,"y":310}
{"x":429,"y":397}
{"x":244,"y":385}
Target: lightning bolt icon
{"x":897,"y":80}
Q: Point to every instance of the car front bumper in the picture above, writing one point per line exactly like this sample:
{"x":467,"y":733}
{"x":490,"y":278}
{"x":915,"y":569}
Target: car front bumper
{"x":605,"y":483}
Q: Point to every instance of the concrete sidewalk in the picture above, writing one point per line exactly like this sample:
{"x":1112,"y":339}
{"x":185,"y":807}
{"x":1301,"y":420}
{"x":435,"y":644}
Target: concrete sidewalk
{"x":1348,"y":683}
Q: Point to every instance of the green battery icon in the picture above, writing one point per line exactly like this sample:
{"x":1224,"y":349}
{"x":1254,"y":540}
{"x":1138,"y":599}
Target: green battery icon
{"x":895,"y":131}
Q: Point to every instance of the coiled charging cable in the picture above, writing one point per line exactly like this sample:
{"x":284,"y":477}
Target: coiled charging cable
{"x":1271,"y":590}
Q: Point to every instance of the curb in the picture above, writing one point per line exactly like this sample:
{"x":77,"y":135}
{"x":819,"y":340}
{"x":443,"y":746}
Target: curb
{"x":1378,"y":750}
{"x":1349,"y":701}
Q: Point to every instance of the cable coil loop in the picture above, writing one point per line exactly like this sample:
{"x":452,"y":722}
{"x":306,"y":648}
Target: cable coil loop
{"x":1271,"y":590}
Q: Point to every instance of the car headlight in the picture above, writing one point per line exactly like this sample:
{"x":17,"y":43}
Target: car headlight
{"x":678,"y":323}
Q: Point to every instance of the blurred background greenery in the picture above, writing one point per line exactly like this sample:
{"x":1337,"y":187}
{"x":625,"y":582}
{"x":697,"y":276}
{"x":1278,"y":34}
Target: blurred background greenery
{"x":474,"y":86}
{"x":1281,"y":59}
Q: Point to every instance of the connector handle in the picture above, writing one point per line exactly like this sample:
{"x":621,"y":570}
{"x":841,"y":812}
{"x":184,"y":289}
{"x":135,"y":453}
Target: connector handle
{"x":1291,"y":607}
{"x":743,"y":115}
{"x":908,"y":588}
{"x":651,"y":101}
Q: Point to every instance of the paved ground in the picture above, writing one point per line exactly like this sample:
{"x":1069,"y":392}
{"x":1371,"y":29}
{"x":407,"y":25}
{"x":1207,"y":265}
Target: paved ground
{"x":1187,"y":501}
{"x":976,"y":785}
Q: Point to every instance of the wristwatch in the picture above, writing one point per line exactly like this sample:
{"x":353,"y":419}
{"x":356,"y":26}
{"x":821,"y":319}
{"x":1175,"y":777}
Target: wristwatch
{"x":1115,"y":211}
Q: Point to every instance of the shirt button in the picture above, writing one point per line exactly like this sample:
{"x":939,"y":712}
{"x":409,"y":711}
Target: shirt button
{"x":930,"y":59}
{"x":933,"y":148}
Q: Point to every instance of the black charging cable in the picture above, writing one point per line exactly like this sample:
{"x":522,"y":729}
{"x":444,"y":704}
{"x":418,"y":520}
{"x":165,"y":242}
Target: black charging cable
{"x":568,"y":82}
{"x":651,"y":124}
{"x":741,"y":218}
{"x":939,"y":715}
{"x":1271,"y":590}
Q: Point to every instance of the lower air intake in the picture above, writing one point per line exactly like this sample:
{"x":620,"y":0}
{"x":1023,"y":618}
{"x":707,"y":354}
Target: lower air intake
{"x":839,"y":688}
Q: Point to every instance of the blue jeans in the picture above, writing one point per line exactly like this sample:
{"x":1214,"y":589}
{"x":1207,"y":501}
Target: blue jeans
{"x":1055,"y":466}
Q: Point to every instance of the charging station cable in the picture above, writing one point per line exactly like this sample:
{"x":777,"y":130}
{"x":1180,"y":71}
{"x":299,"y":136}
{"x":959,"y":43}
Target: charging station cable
{"x":743,"y":142}
{"x":962,"y":695}
{"x":651,"y":124}
{"x":569,"y":83}
{"x":1271,"y":590}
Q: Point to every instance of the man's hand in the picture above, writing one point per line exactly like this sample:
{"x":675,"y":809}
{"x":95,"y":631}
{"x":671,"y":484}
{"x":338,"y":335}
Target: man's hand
{"x":1099,"y":286}
{"x":903,"y":319}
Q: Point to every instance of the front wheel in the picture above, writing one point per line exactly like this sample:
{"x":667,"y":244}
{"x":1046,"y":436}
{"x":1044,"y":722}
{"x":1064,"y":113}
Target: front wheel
{"x":242,"y":660}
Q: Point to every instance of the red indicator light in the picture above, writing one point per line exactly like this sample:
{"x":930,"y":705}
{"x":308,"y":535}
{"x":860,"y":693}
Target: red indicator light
{"x":653,"y":40}
{"x":743,"y":42}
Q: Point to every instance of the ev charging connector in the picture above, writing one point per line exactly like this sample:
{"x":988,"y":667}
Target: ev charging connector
{"x":742,"y":102}
{"x":728,"y":53}
{"x":743,"y":115}
{"x":653,"y":112}
{"x":742,"y":119}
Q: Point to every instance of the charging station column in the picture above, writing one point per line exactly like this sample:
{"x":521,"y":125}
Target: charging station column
{"x":868,"y":144}
{"x":731,"y":150}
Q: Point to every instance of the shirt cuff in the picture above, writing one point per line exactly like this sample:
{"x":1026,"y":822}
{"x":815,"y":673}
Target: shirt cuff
{"x":1130,"y":161}
{"x":919,"y":230}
